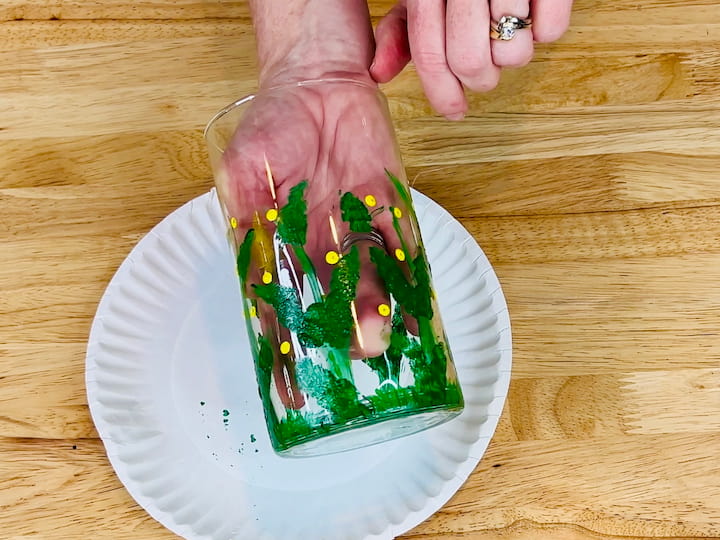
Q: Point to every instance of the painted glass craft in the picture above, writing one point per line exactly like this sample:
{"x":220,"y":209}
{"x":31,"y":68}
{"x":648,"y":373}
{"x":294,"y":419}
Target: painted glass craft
{"x":338,"y":301}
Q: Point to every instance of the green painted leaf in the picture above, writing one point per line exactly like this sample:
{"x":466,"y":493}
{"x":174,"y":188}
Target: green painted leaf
{"x":266,"y":358}
{"x":429,"y":366}
{"x":401,"y":189}
{"x":388,"y":398}
{"x":344,"y":278}
{"x":329,"y":321}
{"x":292,"y":219}
{"x":422,"y":272}
{"x":355,"y":213}
{"x":336,"y":395}
{"x":294,"y":426}
{"x":399,"y":342}
{"x":286,"y":303}
{"x":417,"y":299}
{"x":244,"y":255}
{"x":312,"y":333}
{"x":337,"y":312}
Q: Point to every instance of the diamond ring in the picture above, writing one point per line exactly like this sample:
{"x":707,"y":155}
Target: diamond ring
{"x":507,"y":26}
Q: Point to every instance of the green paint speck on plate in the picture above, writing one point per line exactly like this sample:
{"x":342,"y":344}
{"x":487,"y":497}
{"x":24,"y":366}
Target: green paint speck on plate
{"x":226,"y":412}
{"x":202,"y":403}
{"x":252,"y":438}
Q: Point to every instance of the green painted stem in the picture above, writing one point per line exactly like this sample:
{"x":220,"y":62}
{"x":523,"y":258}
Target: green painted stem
{"x":403,"y":243}
{"x":340,"y":363}
{"x":427,"y":334}
{"x":309,"y":269}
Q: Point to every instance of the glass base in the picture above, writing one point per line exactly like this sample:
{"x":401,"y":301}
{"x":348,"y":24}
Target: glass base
{"x":367,"y":432}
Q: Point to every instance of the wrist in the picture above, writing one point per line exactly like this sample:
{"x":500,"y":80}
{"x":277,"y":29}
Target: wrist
{"x":312,"y":39}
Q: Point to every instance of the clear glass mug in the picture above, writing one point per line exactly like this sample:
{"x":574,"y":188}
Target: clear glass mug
{"x":348,"y":344}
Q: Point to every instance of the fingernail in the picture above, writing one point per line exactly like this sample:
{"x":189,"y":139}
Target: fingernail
{"x":455,"y":116}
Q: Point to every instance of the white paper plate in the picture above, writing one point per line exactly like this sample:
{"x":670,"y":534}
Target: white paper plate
{"x":169,"y":335}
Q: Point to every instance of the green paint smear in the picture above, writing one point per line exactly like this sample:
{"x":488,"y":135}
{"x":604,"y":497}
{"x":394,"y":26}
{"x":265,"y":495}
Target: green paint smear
{"x":252,"y":438}
{"x":355,"y":213}
{"x":387,"y":402}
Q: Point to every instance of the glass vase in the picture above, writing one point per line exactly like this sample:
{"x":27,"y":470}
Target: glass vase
{"x":347,"y":340}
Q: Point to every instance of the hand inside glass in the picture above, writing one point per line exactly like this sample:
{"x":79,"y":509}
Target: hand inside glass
{"x":336,"y":287}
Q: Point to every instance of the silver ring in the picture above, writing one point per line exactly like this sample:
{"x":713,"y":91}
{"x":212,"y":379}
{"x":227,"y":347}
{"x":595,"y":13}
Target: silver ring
{"x":507,"y":26}
{"x":352,"y":238}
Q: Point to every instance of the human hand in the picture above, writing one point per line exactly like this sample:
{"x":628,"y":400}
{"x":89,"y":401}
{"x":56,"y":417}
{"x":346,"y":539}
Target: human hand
{"x":449,"y":42}
{"x":337,"y":137}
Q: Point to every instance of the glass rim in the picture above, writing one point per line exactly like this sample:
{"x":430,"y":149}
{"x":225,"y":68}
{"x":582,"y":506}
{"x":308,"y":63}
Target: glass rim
{"x":305,"y":82}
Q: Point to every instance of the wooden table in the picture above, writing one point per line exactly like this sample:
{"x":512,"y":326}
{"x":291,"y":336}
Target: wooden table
{"x":591,"y":179}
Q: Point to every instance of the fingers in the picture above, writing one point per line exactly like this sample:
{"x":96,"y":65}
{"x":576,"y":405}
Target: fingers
{"x":519,"y":50}
{"x":392,"y":50}
{"x":450,"y":44}
{"x":550,"y":19}
{"x":468,"y":44}
{"x":372,"y":303}
{"x":426,"y":35}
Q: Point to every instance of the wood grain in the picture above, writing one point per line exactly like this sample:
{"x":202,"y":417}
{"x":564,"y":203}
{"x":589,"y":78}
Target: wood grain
{"x":589,"y":177}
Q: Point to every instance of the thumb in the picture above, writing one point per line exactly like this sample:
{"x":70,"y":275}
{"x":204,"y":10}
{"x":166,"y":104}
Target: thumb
{"x":392,"y":50}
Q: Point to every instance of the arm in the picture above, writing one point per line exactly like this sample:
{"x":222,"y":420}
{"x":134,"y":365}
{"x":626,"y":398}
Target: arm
{"x":312,"y":39}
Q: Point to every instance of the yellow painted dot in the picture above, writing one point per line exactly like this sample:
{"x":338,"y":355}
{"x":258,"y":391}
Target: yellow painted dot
{"x":233,"y":223}
{"x":285,"y":347}
{"x":331,"y":257}
{"x":400,"y":254}
{"x":253,"y":311}
{"x":271,"y":214}
{"x":397,"y":212}
{"x":384,"y":310}
{"x":267,"y":278}
{"x":370,"y":200}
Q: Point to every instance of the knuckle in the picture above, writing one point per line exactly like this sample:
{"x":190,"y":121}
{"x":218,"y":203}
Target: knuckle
{"x":430,"y":61}
{"x":468,"y":66}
